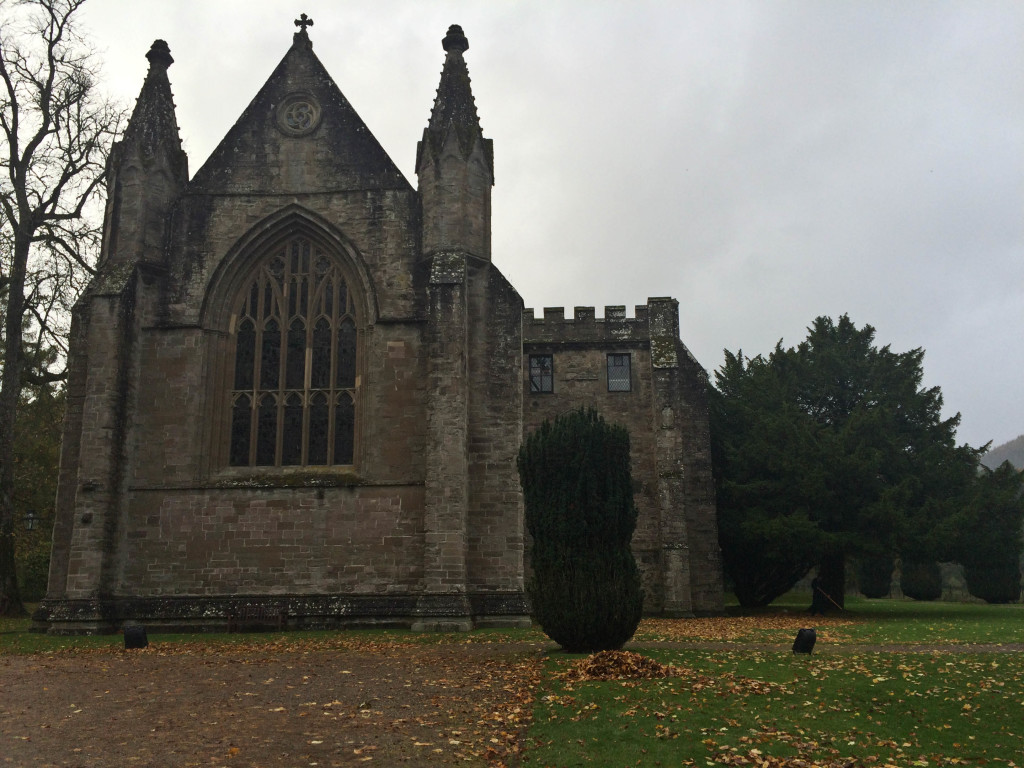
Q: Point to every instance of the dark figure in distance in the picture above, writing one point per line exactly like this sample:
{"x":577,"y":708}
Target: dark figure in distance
{"x":819,"y":600}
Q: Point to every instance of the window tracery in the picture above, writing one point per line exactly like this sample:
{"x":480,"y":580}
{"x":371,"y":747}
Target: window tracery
{"x":293,"y":399}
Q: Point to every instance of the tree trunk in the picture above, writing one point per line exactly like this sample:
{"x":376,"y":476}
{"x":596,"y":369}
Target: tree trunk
{"x":10,"y":390}
{"x":56,"y":140}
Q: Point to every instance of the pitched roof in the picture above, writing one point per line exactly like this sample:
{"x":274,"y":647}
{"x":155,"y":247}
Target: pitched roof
{"x":299,"y":134}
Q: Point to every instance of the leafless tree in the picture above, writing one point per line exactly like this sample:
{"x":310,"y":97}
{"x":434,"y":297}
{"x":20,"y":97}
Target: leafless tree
{"x":56,"y":134}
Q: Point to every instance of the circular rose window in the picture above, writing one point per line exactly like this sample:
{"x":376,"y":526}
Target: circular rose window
{"x":298,"y":115}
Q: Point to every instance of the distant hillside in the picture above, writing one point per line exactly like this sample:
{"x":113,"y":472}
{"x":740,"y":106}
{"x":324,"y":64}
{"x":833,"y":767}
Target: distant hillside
{"x":1012,"y":452}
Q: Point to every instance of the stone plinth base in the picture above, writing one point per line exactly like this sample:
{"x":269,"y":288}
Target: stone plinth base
{"x":424,"y":613}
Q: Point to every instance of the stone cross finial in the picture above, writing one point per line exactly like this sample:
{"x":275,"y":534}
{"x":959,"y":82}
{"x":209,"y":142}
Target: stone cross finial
{"x":303,"y":21}
{"x":160,"y":54}
{"x":455,"y":39}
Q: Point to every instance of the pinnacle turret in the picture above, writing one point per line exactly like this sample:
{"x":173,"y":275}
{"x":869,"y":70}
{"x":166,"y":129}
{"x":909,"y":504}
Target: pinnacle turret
{"x":153,"y":125}
{"x":146,"y":171}
{"x":455,"y":164}
{"x":454,"y":108}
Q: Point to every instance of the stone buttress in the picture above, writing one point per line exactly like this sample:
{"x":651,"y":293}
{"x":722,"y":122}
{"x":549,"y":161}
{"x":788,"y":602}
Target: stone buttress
{"x":146,"y":171}
{"x":472,"y":491}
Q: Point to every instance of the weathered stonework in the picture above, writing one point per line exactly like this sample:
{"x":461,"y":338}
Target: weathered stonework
{"x":665,"y":412}
{"x":178,"y":505}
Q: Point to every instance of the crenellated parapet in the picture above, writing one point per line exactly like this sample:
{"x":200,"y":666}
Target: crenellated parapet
{"x":655,"y":323}
{"x":584,"y":326}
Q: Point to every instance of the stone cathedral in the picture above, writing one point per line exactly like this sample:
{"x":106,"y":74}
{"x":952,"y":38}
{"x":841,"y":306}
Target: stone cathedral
{"x":298,"y":383}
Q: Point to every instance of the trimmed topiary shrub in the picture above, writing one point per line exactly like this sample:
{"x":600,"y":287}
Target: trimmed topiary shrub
{"x":874,"y":576}
{"x":578,"y":493}
{"x":994,"y":583}
{"x":921,"y":581}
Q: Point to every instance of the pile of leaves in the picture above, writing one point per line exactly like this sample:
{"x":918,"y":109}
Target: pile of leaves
{"x":620,"y":665}
{"x":756,"y":758}
{"x":629,"y":668}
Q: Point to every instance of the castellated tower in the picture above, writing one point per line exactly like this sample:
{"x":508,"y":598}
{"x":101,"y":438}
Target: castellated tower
{"x":298,"y":385}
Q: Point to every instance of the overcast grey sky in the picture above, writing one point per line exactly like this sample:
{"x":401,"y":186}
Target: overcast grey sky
{"x":762,"y":162}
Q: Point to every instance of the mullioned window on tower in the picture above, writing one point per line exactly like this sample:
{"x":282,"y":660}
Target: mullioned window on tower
{"x":619,"y":374}
{"x":293,"y":392}
{"x":542,"y":373}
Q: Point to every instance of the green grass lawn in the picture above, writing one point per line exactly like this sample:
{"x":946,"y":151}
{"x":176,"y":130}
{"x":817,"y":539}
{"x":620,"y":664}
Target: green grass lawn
{"x":879,"y":622}
{"x":909,"y":621}
{"x":882,"y":708}
{"x":847,"y":701}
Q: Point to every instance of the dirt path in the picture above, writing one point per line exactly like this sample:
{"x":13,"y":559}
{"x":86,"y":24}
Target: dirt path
{"x":266,"y":707}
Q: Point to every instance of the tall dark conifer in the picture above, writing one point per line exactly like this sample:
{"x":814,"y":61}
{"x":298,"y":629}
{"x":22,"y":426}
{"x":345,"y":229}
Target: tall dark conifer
{"x":828,"y":450}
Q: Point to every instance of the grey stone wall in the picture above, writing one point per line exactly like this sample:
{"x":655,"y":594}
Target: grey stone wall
{"x":495,"y":523}
{"x":272,"y":540}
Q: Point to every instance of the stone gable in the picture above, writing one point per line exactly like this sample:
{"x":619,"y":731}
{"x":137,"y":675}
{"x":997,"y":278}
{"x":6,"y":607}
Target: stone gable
{"x":298,"y":382}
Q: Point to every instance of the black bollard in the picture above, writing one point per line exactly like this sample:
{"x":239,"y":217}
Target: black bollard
{"x":804,"y":642}
{"x":135,"y":636}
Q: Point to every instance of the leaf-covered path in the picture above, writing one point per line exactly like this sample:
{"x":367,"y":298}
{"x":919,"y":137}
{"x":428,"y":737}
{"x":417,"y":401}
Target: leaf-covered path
{"x":266,"y":705}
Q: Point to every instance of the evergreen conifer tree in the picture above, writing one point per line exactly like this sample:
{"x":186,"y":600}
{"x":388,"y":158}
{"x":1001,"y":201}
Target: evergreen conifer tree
{"x":990,"y":540}
{"x":578,"y":493}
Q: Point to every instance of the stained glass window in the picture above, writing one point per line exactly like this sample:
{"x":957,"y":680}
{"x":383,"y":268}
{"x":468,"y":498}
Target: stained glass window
{"x":346,"y":354}
{"x":266,"y":431}
{"x":270,"y":355}
{"x":295,"y":367}
{"x":245,"y":355}
{"x":319,"y":428}
{"x":291,"y":431}
{"x":344,"y":428}
{"x":320,"y":369}
{"x":293,"y":400}
{"x":241,"y":430}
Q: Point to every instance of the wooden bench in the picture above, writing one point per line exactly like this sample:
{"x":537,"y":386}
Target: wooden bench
{"x":251,"y":618}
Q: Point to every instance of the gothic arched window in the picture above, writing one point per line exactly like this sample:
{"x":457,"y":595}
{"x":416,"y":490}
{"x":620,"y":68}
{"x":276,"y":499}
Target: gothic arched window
{"x":293,"y":400}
